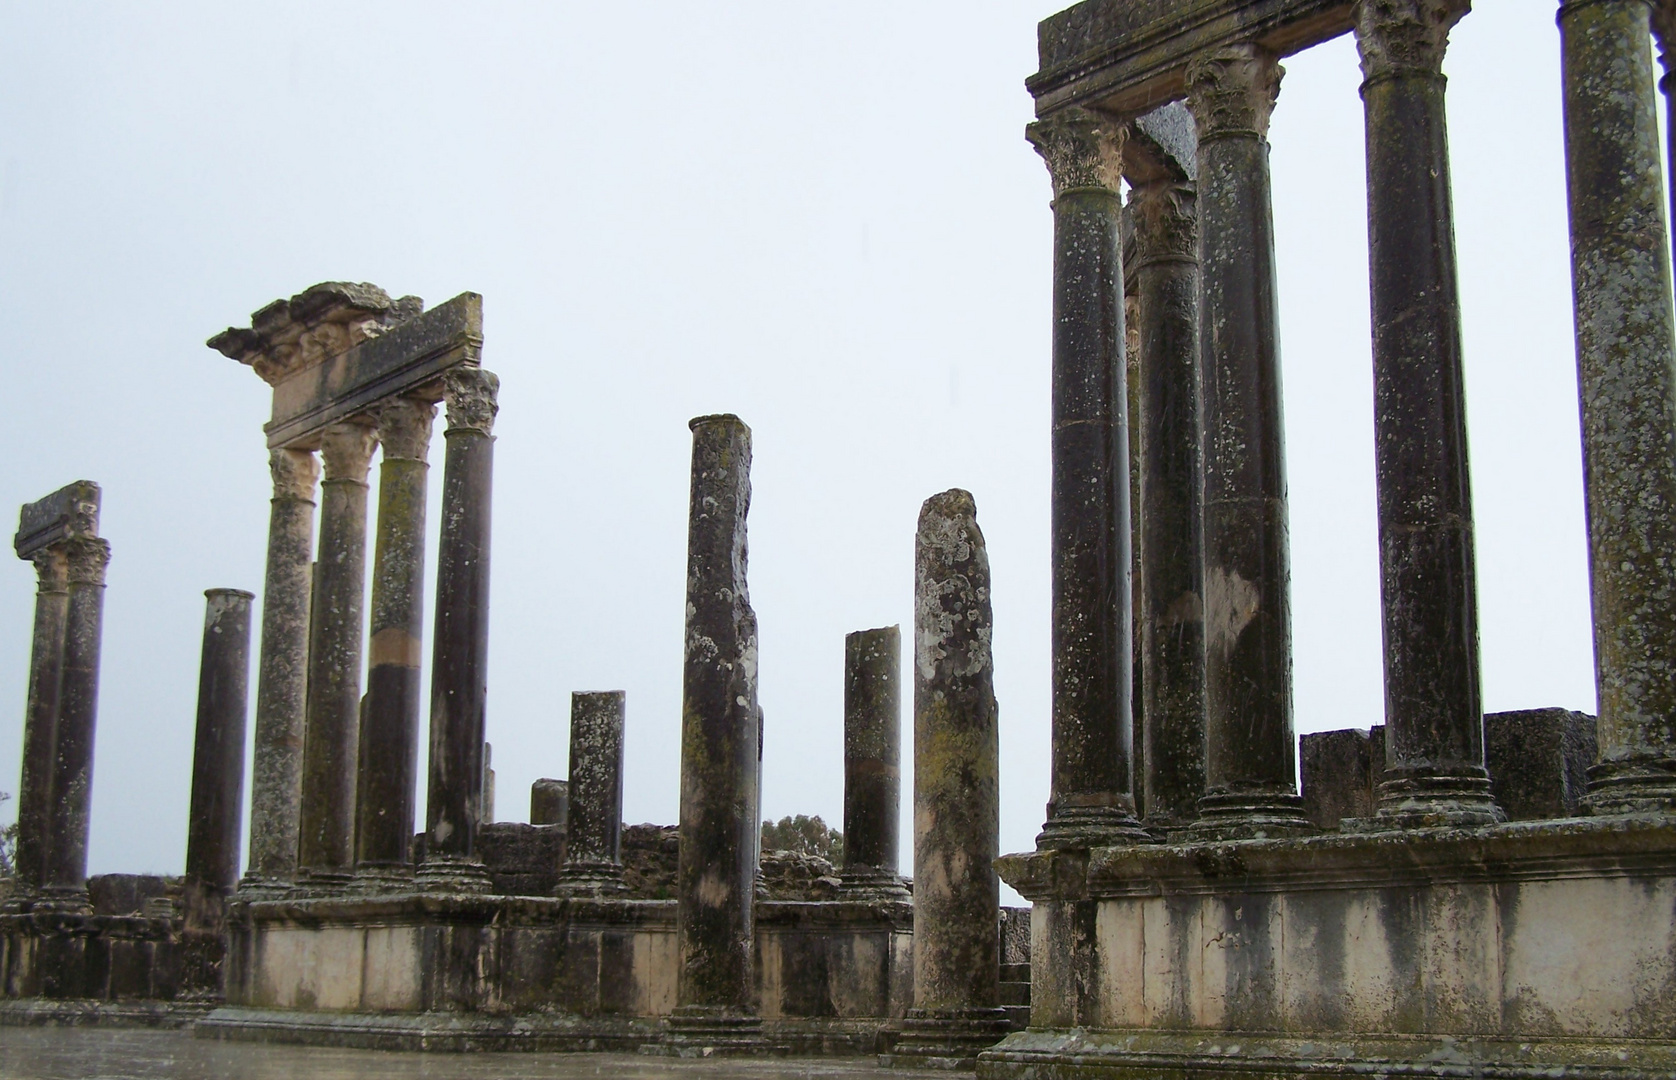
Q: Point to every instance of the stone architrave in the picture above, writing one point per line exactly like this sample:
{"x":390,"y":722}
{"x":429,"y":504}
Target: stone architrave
{"x":1626,"y":337}
{"x":1250,"y":754}
{"x":593,"y":863}
{"x":460,"y":662}
{"x":1092,"y":799}
{"x":957,"y":819}
{"x":212,"y":836}
{"x":872,"y":763}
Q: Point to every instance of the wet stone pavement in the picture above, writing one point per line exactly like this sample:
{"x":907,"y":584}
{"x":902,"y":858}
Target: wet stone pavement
{"x":115,"y":1054}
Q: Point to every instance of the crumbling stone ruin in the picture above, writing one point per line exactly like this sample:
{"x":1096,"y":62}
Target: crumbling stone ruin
{"x":1448,"y":894}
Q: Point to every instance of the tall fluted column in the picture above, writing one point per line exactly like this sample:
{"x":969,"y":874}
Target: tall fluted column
{"x":40,"y":725}
{"x":276,"y":781}
{"x":720,"y":732}
{"x":64,"y":879}
{"x":872,"y":762}
{"x":1626,"y":369}
{"x":326,"y":846}
{"x":1434,"y":717}
{"x":1092,"y":799}
{"x":1250,"y":757}
{"x":389,"y":743}
{"x":212,"y":831}
{"x":594,"y":830}
{"x":460,"y":661}
{"x":957,"y":820}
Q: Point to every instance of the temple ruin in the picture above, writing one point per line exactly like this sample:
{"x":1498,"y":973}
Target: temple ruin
{"x":1449,"y":894}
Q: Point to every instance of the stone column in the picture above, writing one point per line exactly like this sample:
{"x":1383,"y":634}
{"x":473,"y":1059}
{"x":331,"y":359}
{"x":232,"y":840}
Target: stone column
{"x":957,"y":821}
{"x":460,"y":661}
{"x":1620,"y":267}
{"x":550,"y":801}
{"x":212,"y":832}
{"x":715,"y":885}
{"x":1250,"y":770}
{"x":64,"y":876}
{"x":593,"y":839}
{"x":1434,"y":726}
{"x":1092,"y":800}
{"x":389,"y":741}
{"x":276,"y":782}
{"x":326,"y":844}
{"x":1164,"y":211}
{"x":46,"y":672}
{"x":872,"y":763}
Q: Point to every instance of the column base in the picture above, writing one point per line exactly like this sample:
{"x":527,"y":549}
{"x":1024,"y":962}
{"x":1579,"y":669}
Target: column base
{"x":871,"y":883}
{"x":387,"y":878}
{"x":1254,"y":814}
{"x":1432,"y":801}
{"x":63,"y":900}
{"x":452,"y":874}
{"x":257,"y":887}
{"x":946,"y":1038}
{"x":1643,"y":785}
{"x":312,"y":881}
{"x":585,"y":879}
{"x":1074,"y":827}
{"x":702,"y":1031}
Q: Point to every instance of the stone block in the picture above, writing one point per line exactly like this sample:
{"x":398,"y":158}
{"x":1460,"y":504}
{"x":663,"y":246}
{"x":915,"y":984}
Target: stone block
{"x":1539,"y":761}
{"x":522,"y":860}
{"x":1339,"y":776}
{"x":128,"y":894}
{"x":71,"y":511}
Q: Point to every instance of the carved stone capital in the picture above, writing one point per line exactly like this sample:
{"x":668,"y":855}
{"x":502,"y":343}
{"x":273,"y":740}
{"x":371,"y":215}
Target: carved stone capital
{"x":312,"y":327}
{"x":347,"y":448}
{"x":52,"y":569}
{"x":471,"y":395}
{"x":1231,"y":90}
{"x":295,"y":473}
{"x":404,"y":428}
{"x":1082,"y":149}
{"x":87,"y":557}
{"x":1397,"y":37}
{"x":1166,"y":221}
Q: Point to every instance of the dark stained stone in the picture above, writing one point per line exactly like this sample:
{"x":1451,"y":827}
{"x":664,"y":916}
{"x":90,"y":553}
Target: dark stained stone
{"x":549,"y":802}
{"x":1338,"y":776}
{"x":1539,"y":761}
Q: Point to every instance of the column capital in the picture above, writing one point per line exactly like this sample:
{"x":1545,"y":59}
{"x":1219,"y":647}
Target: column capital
{"x":1405,"y":37}
{"x":404,"y":428}
{"x":295,"y":472}
{"x":1231,"y":90}
{"x":87,"y":558}
{"x":319,"y":323}
{"x":1082,"y":148}
{"x":1166,"y":219}
{"x":51,"y":569}
{"x":471,"y":396}
{"x":347,"y":448}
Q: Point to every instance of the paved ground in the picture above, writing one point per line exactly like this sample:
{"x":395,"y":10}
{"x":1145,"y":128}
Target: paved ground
{"x":116,"y":1054}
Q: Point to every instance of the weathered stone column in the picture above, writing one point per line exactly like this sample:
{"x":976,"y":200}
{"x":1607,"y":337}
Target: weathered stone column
{"x":550,"y":802}
{"x":212,"y":831}
{"x":326,"y":843}
{"x":957,"y":820}
{"x":389,"y":742}
{"x":46,"y":669}
{"x":594,"y":833}
{"x":1092,"y":800}
{"x":872,"y":763}
{"x":64,"y":878}
{"x":460,"y":661}
{"x":715,"y":885}
{"x":1626,"y":369}
{"x":1434,"y":726}
{"x":1250,"y":770}
{"x":1164,"y":211}
{"x":276,"y":782}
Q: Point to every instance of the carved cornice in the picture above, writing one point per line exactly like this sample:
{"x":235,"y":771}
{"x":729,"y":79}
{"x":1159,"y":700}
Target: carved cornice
{"x":1166,"y":220}
{"x":1082,"y":149}
{"x":317,"y":324}
{"x":471,"y":395}
{"x":1400,"y":37}
{"x":404,"y":428}
{"x":347,"y":448}
{"x":295,"y":473}
{"x":1231,"y":90}
{"x":87,"y":558}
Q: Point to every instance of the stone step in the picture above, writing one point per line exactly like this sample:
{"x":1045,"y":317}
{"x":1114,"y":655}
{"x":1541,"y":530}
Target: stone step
{"x":1015,"y":993}
{"x":1018,"y":1016}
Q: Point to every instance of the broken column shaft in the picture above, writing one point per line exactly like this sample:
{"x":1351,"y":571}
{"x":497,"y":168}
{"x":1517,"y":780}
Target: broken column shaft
{"x":326,"y":844}
{"x":872,"y":762}
{"x":1092,"y":799}
{"x":460,"y":662}
{"x":212,"y":835}
{"x":389,"y":740}
{"x":64,"y":877}
{"x":1434,"y":729}
{"x":46,"y":672}
{"x":594,"y":827}
{"x":1250,"y":771}
{"x":1620,"y":266}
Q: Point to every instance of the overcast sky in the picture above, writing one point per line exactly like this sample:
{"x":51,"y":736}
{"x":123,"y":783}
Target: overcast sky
{"x":822,"y":217}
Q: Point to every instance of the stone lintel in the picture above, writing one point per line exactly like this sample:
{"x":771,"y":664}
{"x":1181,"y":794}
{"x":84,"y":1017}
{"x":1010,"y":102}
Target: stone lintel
{"x":311,"y":327}
{"x":407,"y":358}
{"x":1519,"y":851}
{"x":1130,"y":56}
{"x":70,"y":512}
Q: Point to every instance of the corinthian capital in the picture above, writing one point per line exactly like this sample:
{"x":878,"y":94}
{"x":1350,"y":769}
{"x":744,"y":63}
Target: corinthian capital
{"x":347,"y":448}
{"x":87,"y":557}
{"x":295,"y":473}
{"x":404,"y":428}
{"x":51,"y":569}
{"x":1166,"y":218}
{"x":471,"y":395}
{"x":1232,"y":90}
{"x":1398,"y":37}
{"x":1082,"y":149}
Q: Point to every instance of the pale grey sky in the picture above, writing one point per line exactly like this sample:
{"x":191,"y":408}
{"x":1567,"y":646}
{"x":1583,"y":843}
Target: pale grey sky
{"x":822,"y":217}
